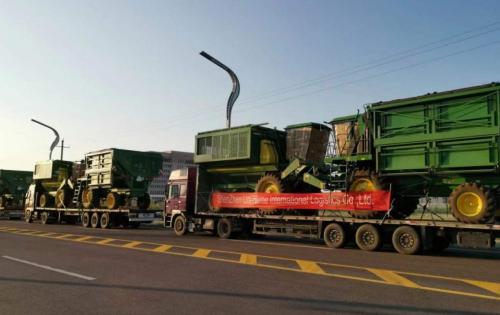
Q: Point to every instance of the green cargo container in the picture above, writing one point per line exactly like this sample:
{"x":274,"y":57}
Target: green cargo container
{"x":439,"y":144}
{"x":13,"y":187}
{"x":119,"y":175}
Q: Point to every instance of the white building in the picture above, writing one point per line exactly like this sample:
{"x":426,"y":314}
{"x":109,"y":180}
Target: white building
{"x":171,"y":160}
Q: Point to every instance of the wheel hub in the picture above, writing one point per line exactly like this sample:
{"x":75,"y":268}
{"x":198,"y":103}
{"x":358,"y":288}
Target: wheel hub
{"x":469,"y":204}
{"x":406,"y":240}
{"x":368,"y":238}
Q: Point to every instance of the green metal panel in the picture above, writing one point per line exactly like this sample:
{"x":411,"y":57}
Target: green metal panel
{"x":399,"y":158}
{"x":15,"y":183}
{"x":122,"y":169}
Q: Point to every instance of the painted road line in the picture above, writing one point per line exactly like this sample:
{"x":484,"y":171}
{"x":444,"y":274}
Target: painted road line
{"x":393,"y":278}
{"x":131,"y":244}
{"x":310,"y":266}
{"x":105,"y":241}
{"x":203,"y":253}
{"x":385,"y":277}
{"x":162,"y":248}
{"x":248,"y":259}
{"x":489,"y":286}
{"x":68,"y":273}
{"x":64,"y":236}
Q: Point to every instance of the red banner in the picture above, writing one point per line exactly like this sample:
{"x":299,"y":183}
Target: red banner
{"x":370,"y":201}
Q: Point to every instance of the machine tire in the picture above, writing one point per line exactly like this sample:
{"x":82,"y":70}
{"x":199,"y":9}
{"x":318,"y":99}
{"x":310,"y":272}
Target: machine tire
{"x":334,"y":235}
{"x":44,"y":200}
{"x":44,"y":217}
{"x":368,"y":237}
{"x":63,"y":197}
{"x":28,"y":217}
{"x":88,"y":198}
{"x":268,"y":184}
{"x":180,"y":225}
{"x":406,"y":240}
{"x":112,"y":200}
{"x":105,"y":220}
{"x":86,"y":219}
{"x":224,"y":228}
{"x":94,"y":220}
{"x":364,"y":179}
{"x":472,"y":203}
{"x":143,"y":202}
{"x":403,"y":206}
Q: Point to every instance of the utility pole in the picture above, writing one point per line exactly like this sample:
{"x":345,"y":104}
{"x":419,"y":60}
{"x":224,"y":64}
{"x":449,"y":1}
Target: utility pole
{"x":62,"y":149}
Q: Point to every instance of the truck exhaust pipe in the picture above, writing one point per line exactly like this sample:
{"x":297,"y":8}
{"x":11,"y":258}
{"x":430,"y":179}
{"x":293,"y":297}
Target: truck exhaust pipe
{"x":236,"y":87}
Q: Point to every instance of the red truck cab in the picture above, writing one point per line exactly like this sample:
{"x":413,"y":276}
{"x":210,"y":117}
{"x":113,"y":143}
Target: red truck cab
{"x":180,"y":195}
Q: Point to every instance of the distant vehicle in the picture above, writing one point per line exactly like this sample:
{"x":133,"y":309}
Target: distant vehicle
{"x":108,"y":188}
{"x":13,"y":187}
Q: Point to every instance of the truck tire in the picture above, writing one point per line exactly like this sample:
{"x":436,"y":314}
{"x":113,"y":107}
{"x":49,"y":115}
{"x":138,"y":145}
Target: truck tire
{"x":94,"y":220}
{"x":268,"y":184}
{"x":86,"y":219}
{"x":180,"y":226}
{"x":105,"y":220}
{"x":334,"y":235}
{"x":44,"y":217}
{"x":364,"y":180}
{"x":472,"y":203}
{"x":224,"y":228}
{"x":368,"y":237}
{"x":406,"y":240}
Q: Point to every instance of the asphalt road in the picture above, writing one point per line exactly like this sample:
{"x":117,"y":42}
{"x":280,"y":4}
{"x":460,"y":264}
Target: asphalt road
{"x":65,"y":269}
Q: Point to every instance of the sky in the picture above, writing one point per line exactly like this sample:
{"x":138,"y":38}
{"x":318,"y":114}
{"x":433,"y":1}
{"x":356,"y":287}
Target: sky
{"x":128,"y":74}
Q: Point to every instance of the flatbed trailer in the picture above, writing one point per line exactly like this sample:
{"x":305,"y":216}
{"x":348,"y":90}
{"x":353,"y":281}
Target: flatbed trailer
{"x":407,"y":236}
{"x":427,"y":230}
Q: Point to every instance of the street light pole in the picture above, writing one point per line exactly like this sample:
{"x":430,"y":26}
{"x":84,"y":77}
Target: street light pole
{"x":56,"y":140}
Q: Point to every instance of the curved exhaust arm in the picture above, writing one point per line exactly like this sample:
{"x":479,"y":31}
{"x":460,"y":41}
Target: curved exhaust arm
{"x":56,"y":140}
{"x":236,"y":87}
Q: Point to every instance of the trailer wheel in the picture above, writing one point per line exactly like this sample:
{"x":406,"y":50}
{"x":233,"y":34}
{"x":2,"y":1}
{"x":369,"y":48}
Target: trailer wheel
{"x":44,"y":217}
{"x":406,"y":240}
{"x":334,"y":235}
{"x":105,"y":220}
{"x":28,"y":217}
{"x":224,"y":228}
{"x":94,"y":220}
{"x":472,"y":203}
{"x":180,"y":226}
{"x":368,"y":237}
{"x":86,"y":219}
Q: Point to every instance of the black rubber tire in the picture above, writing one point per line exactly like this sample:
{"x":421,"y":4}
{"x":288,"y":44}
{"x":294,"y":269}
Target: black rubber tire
{"x":487,"y":197}
{"x":180,"y":225}
{"x":403,"y":206}
{"x":44,"y":217}
{"x":105,"y":220}
{"x":94,"y":220}
{"x":364,"y":173}
{"x":368,"y":237}
{"x":406,"y":240}
{"x":86,"y":219}
{"x":144,"y":202}
{"x":334,"y":235}
{"x":224,"y":228}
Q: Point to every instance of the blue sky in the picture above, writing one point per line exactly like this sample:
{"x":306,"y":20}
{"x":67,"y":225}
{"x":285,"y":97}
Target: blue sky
{"x":127,"y":73}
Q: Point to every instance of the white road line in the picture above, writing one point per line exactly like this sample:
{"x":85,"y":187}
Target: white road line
{"x":50,"y":268}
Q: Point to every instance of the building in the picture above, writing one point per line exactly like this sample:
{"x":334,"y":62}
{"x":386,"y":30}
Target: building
{"x":171,"y":160}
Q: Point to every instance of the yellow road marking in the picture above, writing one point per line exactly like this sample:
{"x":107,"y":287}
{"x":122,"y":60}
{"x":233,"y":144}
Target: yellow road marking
{"x":105,"y":241}
{"x":310,"y":266}
{"x":388,"y":277}
{"x":64,"y":235}
{"x":490,"y":286}
{"x":162,"y":248}
{"x":248,"y":259}
{"x":393,"y":278}
{"x":131,"y":244}
{"x":82,"y":239}
{"x":203,"y":253}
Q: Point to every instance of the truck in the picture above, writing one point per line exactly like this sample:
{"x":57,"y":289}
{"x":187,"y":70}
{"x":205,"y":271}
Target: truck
{"x":436,"y":145}
{"x":108,"y":187}
{"x":13,"y":187}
